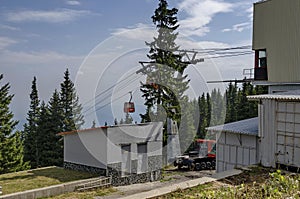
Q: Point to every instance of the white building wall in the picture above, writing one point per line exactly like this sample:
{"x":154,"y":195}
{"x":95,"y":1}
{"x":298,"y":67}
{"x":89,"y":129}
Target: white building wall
{"x":288,"y":133}
{"x":133,"y":135}
{"x":267,"y":132}
{"x":235,"y":150}
{"x":86,"y":148}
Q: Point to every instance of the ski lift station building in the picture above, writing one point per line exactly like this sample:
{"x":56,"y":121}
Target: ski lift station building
{"x":272,"y":139}
{"x":129,"y":153}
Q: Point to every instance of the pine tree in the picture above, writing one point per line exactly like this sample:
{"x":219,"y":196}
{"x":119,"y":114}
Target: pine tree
{"x":50,"y":147}
{"x":231,"y":103}
{"x":72,"y":117}
{"x":187,"y":131}
{"x":56,"y":126}
{"x":203,"y":123}
{"x":11,"y":146}
{"x":30,"y":128}
{"x":165,"y":84}
{"x":93,"y":124}
{"x":128,"y":119}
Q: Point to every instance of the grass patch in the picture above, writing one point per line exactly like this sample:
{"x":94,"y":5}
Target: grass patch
{"x":86,"y":194}
{"x":37,"y":178}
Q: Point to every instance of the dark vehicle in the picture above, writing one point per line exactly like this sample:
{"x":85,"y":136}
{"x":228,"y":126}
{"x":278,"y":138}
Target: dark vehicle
{"x":202,"y":157}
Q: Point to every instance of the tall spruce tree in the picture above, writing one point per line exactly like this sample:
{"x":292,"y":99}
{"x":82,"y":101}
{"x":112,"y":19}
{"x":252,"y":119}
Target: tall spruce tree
{"x":49,"y":123}
{"x":56,"y":126}
{"x":187,"y":131}
{"x":11,"y":146}
{"x":71,"y":108}
{"x":203,"y":123}
{"x":31,"y":152}
{"x":166,"y":83}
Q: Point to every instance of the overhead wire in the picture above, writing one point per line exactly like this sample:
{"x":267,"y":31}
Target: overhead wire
{"x":215,"y":52}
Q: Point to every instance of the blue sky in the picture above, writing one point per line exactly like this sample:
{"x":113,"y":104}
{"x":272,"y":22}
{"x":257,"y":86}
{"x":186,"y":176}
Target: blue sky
{"x":94,"y":38}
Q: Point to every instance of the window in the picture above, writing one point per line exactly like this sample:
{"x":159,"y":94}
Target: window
{"x":260,"y":70}
{"x":261,"y":59}
{"x":142,"y":166}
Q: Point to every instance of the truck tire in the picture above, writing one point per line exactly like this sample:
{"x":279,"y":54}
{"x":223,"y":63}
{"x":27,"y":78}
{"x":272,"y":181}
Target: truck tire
{"x":197,"y":167}
{"x":202,"y":165}
{"x":192,"y":167}
{"x":213,"y":163}
{"x":209,"y":165}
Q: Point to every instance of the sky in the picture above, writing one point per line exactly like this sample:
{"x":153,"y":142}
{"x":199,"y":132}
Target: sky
{"x":101,"y":43}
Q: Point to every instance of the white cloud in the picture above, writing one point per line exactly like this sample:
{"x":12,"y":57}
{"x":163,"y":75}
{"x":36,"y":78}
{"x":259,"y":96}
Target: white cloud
{"x":73,"y":3}
{"x":239,"y":27}
{"x":6,"y":42}
{"x":54,"y":16}
{"x":7,"y":27}
{"x":200,"y":14}
{"x":21,"y":57}
{"x":139,"y":31}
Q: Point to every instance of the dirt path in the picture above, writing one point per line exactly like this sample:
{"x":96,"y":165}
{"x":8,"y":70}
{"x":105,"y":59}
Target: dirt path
{"x":171,"y":177}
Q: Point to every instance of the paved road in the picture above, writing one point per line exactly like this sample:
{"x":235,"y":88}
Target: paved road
{"x":173,"y":181}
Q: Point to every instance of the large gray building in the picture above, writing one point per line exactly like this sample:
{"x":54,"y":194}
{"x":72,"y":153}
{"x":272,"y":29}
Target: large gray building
{"x":274,"y":138}
{"x":129,"y":153}
{"x":276,"y":30}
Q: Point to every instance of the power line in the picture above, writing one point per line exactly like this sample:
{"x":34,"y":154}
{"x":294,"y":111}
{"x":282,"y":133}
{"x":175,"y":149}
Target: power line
{"x":119,"y":89}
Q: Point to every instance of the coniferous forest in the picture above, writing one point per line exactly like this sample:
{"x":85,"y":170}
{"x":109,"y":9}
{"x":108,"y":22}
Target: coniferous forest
{"x":164,"y":93}
{"x":38,"y":145}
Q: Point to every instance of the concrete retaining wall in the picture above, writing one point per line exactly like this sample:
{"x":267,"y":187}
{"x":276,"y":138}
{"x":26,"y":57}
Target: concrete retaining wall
{"x":47,"y":191}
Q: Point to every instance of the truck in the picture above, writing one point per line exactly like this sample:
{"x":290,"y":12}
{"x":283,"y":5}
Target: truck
{"x":201,"y":157}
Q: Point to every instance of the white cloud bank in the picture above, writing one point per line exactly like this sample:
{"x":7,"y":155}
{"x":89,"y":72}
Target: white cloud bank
{"x":54,"y":16}
{"x":6,"y":42}
{"x":200,"y":14}
{"x":73,"y":3}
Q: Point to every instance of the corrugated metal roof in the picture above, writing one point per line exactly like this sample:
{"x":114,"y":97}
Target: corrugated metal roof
{"x":247,"y":127}
{"x":289,"y":95}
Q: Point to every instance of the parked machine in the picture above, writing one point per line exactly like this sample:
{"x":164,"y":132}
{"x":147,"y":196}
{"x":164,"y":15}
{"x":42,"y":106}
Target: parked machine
{"x":201,"y":157}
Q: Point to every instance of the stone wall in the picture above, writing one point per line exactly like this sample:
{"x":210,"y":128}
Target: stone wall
{"x":136,"y":178}
{"x":155,"y":163}
{"x":80,"y":167}
{"x":114,"y":170}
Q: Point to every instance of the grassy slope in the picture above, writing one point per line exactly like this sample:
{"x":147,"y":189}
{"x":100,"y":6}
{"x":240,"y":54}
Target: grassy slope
{"x":32,"y":179}
{"x":256,"y":184}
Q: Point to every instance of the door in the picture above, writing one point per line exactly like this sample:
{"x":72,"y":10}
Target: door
{"x":126,"y":159}
{"x":142,"y":158}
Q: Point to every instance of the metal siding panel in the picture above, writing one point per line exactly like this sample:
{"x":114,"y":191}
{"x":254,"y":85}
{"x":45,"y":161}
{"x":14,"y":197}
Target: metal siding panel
{"x":281,"y":126}
{"x":297,"y":128}
{"x":232,"y":139}
{"x":297,"y":108}
{"x":281,"y":107}
{"x":297,"y":157}
{"x":249,"y":141}
{"x":226,"y":153}
{"x":246,"y":154}
{"x":221,"y":138}
{"x":233,"y":154}
{"x":290,"y":117}
{"x":297,"y":143}
{"x":240,"y":156}
{"x":289,"y":155}
{"x":297,"y":117}
{"x":253,"y":159}
{"x":290,"y":127}
{"x":281,"y":116}
{"x":290,"y":107}
{"x":220,"y":152}
{"x":280,"y":139}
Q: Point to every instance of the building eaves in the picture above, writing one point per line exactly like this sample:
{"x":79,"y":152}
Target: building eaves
{"x":246,"y":127}
{"x":293,"y":95}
